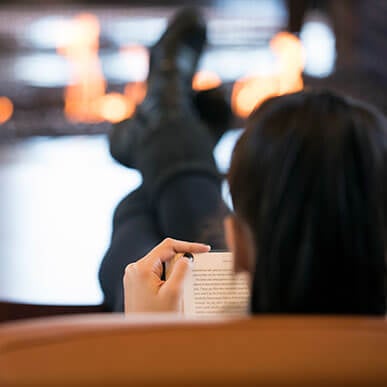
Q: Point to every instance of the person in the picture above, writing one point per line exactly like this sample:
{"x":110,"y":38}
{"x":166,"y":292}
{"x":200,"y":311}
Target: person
{"x":308,"y":185}
{"x":170,"y":140}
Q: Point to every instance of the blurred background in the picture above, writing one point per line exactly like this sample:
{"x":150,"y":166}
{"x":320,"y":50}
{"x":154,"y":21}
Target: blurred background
{"x":70,"y":69}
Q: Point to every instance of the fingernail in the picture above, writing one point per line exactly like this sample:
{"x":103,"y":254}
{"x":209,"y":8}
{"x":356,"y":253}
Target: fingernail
{"x":189,"y":256}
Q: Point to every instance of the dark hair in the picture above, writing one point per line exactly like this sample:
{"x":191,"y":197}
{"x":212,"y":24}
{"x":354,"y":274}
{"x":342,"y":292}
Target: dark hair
{"x":309,"y":178}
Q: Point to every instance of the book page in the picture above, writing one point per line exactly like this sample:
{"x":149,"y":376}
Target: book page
{"x":212,"y":288}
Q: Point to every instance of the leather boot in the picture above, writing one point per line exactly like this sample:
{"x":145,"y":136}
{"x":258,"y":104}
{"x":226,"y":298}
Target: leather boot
{"x":166,"y":136}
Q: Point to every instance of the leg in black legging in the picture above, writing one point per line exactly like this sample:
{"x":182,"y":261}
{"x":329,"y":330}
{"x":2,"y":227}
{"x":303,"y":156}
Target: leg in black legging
{"x":172,"y":148}
{"x":190,"y":207}
{"x":135,"y":232}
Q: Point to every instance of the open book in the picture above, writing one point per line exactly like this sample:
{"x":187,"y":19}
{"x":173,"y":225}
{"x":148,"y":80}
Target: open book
{"x":212,"y":288}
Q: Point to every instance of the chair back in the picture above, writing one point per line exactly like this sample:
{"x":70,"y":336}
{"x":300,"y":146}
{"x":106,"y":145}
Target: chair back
{"x":161,"y":350}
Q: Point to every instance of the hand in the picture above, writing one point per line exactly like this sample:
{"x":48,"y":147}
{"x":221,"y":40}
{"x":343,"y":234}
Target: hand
{"x":143,"y":288}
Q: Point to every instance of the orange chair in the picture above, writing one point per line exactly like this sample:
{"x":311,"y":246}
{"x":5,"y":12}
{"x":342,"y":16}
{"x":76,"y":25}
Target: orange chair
{"x":161,"y":350}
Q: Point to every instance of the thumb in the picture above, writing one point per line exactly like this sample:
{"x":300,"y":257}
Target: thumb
{"x":176,"y":278}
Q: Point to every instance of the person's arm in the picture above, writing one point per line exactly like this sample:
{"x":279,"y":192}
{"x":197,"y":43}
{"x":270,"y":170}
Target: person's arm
{"x":143,"y":287}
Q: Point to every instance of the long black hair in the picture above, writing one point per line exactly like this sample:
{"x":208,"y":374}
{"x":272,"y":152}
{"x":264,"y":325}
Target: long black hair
{"x":309,"y":177}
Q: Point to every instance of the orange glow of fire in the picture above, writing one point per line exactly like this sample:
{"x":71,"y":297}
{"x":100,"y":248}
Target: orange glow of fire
{"x":135,"y":92}
{"x":88,"y":83}
{"x":85,"y":97}
{"x":6,"y":109}
{"x":290,"y":52}
{"x":204,"y":80}
{"x":114,"y":107}
{"x":249,"y":92}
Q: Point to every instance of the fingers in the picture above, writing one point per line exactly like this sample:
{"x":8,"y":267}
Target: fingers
{"x":172,"y":289}
{"x":178,"y":273}
{"x":144,"y":289}
{"x":169,"y":247}
{"x":128,"y":288}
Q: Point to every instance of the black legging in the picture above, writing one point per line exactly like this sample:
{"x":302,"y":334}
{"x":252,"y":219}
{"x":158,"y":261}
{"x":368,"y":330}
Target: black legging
{"x":189,"y":207}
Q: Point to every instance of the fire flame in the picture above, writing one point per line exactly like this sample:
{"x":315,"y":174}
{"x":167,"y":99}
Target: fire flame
{"x":85,"y":97}
{"x":290,"y":52}
{"x":114,"y":107}
{"x":6,"y":109}
{"x":135,"y":92}
{"x":204,"y":80}
{"x":249,"y":92}
{"x":87,"y":84}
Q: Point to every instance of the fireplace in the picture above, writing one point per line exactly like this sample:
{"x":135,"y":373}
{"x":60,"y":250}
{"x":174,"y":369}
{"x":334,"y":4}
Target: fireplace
{"x":71,"y":68}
